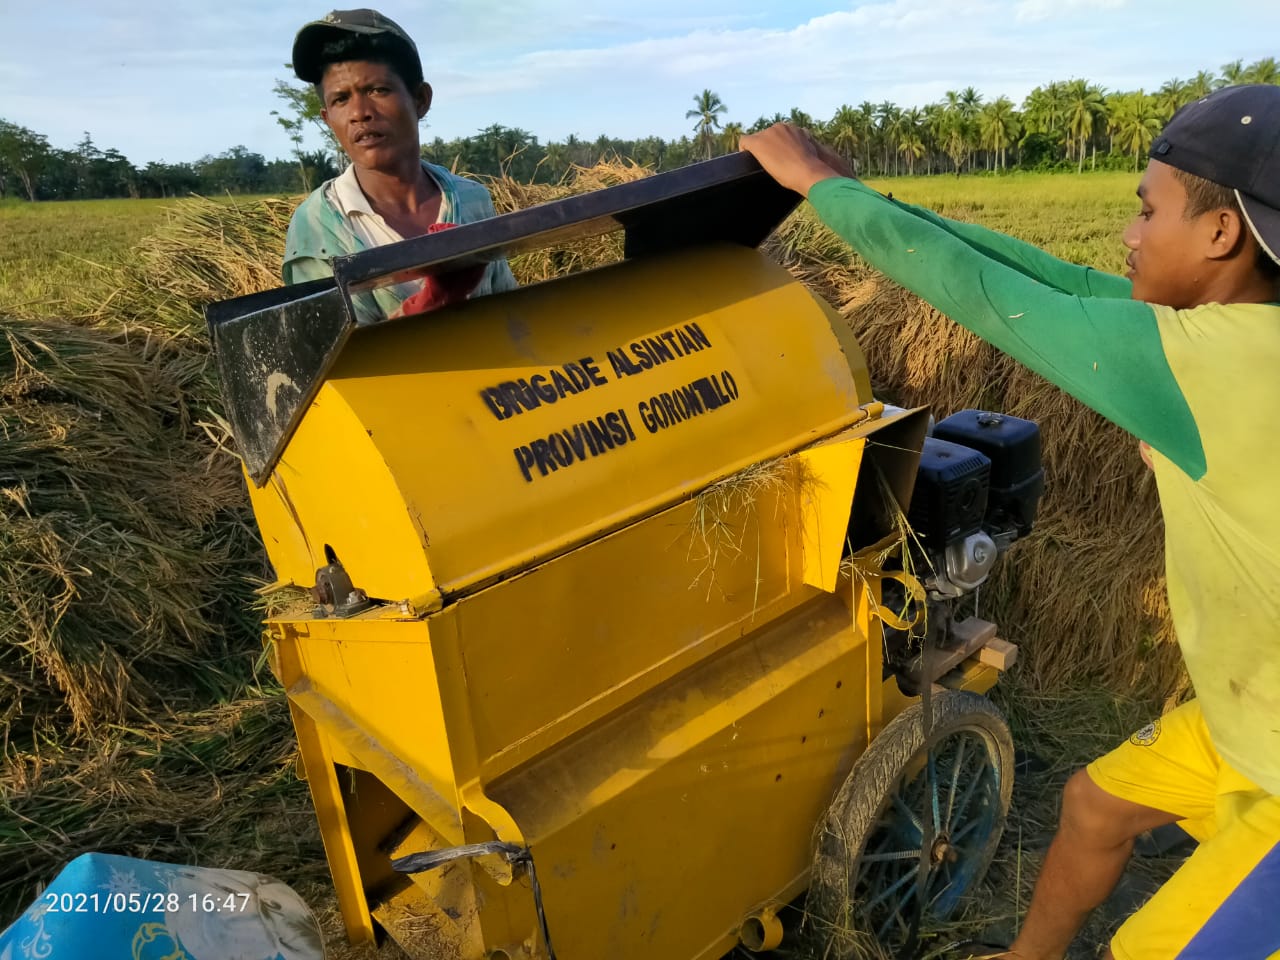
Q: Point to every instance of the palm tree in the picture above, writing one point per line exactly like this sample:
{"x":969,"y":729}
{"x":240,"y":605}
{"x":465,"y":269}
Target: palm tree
{"x":887,"y":115}
{"x":1044,"y":112}
{"x":998,"y":126}
{"x":954,"y":133}
{"x":1232,"y":74}
{"x":911,"y":144}
{"x":963,"y":108}
{"x":1136,"y":122}
{"x":604,"y":147}
{"x":933,"y":124}
{"x":557,"y":159}
{"x":970,"y":104}
{"x":1113,"y":124}
{"x":576,"y":150}
{"x":730,"y":136}
{"x":1201,"y":85}
{"x":911,"y":122}
{"x":843,"y":131}
{"x":649,"y":152}
{"x":707,"y":110}
{"x":798,"y":118}
{"x":1085,"y":105}
{"x":1265,"y":70}
{"x":1171,"y":97}
{"x":867,"y":126}
{"x":956,"y":144}
{"x":499,"y":146}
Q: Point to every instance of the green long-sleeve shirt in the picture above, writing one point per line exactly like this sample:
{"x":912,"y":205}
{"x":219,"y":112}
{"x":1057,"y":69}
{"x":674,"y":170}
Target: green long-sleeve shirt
{"x":1198,"y":385}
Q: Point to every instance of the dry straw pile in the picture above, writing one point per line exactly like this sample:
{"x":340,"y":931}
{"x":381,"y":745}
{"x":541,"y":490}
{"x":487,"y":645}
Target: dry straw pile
{"x":117,"y":526}
{"x":1085,"y":593}
{"x":133,"y":721}
{"x":136,"y":720}
{"x":127,"y":644}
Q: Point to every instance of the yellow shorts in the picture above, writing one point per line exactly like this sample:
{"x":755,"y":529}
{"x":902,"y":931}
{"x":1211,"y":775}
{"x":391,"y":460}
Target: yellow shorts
{"x":1224,"y":901}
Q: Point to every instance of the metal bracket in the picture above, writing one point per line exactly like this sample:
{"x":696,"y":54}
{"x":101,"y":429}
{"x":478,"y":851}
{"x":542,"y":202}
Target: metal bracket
{"x":513,"y":853}
{"x":336,"y":595}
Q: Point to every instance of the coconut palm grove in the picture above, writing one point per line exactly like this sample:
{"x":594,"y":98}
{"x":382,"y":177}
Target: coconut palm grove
{"x":1069,"y":125}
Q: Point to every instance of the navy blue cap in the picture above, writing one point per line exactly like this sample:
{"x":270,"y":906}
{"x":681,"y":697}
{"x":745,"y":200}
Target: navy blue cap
{"x":1232,"y":138}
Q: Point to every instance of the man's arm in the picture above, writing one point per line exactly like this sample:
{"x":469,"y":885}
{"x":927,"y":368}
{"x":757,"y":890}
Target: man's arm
{"x":1106,"y":352}
{"x":798,"y":161}
{"x":1029,"y":259}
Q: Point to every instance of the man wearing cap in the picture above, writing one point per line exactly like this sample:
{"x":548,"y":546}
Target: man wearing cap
{"x":369,"y":78}
{"x":1183,"y":353}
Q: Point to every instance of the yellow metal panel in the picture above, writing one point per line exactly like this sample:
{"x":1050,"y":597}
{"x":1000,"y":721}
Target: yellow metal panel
{"x":282,"y":531}
{"x":656,"y":831}
{"x":550,"y":652}
{"x":371,"y":685}
{"x":864,"y":594}
{"x":972,"y":675}
{"x":694,"y":391}
{"x":332,"y":484}
{"x":829,"y":473}
{"x":335,"y":832}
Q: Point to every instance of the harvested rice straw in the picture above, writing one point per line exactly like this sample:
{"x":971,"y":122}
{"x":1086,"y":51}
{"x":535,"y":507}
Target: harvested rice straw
{"x":282,"y":600}
{"x":870,"y":562}
{"x":723,"y":511}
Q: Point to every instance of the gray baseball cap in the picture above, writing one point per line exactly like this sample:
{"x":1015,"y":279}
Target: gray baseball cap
{"x":307,"y":46}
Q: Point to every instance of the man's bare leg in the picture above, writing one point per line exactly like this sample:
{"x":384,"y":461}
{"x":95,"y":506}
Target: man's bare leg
{"x":1088,"y":854}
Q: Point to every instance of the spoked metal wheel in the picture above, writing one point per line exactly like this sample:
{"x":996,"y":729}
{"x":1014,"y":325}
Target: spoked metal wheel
{"x":952,"y":786}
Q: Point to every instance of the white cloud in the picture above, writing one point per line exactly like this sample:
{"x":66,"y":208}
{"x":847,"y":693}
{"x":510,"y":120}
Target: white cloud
{"x":829,"y":59}
{"x":910,"y":14}
{"x":1032,"y":11}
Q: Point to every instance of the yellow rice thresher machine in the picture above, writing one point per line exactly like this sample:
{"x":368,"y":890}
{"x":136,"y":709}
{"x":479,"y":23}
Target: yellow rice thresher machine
{"x":617,"y":648}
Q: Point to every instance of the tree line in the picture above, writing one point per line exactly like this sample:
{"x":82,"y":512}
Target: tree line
{"x":1070,"y":124}
{"x":32,"y":169}
{"x":1061,"y":125}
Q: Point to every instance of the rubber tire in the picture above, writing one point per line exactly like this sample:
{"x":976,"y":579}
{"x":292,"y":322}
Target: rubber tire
{"x":867,"y":792}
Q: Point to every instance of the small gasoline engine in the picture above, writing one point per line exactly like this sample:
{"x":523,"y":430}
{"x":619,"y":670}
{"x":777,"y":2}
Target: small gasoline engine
{"x":977,"y":487}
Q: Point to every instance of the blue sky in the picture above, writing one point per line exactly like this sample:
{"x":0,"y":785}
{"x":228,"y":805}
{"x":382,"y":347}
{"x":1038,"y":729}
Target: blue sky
{"x":180,"y":79}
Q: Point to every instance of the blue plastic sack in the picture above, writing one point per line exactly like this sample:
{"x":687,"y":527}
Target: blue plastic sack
{"x":104,"y":906}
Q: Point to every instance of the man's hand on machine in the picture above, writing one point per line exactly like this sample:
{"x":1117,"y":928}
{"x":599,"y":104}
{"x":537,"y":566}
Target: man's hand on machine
{"x":794,"y":158}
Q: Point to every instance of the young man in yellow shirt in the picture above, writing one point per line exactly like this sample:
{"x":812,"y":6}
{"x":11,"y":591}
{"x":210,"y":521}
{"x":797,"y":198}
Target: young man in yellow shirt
{"x":1183,"y":352}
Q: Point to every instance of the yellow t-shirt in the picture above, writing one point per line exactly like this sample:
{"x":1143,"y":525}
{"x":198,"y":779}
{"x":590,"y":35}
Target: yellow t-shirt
{"x":1222,"y":530}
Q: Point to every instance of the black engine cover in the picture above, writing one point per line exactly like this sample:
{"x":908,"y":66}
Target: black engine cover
{"x":950,"y":496}
{"x":1013,"y":447}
